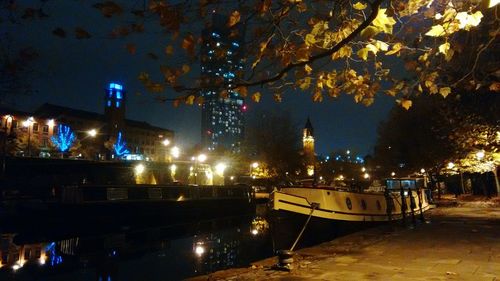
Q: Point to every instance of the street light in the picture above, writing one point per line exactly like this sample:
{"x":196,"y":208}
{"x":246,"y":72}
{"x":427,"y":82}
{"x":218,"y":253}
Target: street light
{"x":220,"y":168}
{"x":175,"y":152}
{"x":165,"y":142}
{"x":27,"y":124}
{"x":451,"y":165}
{"x":422,"y":170}
{"x":366,"y":176}
{"x":480,"y":154}
{"x":92,"y":133}
{"x":201,"y":158}
{"x":393,"y":174}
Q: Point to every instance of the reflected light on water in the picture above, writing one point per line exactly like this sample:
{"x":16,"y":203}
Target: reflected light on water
{"x":199,"y":250}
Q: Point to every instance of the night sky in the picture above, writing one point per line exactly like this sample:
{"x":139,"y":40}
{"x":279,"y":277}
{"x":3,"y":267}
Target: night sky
{"x":74,"y":73}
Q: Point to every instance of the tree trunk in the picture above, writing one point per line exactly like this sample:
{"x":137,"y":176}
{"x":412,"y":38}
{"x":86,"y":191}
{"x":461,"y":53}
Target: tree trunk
{"x":495,"y":175}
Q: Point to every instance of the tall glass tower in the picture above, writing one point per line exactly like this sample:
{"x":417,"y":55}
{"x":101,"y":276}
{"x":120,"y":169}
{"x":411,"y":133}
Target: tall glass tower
{"x":222,"y":120}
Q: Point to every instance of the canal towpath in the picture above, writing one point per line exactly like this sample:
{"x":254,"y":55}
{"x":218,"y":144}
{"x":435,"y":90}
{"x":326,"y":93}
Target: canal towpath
{"x":460,"y":241}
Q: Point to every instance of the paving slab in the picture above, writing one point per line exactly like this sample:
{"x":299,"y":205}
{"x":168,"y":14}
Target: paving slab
{"x":459,"y":243}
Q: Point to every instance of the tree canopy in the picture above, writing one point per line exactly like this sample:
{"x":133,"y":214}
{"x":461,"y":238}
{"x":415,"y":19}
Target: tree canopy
{"x":402,"y":48}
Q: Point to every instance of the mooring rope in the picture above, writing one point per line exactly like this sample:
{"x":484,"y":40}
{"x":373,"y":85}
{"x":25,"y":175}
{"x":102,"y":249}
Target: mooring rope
{"x":313,"y":207}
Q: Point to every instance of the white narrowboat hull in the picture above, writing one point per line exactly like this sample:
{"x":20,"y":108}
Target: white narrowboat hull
{"x":346,"y":206}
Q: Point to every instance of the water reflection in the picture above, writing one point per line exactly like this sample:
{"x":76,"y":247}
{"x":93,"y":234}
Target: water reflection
{"x":40,"y":251}
{"x":169,"y":252}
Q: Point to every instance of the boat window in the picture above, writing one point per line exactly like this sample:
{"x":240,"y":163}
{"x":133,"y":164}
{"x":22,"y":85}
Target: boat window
{"x":348,"y":203}
{"x":363,"y":204}
{"x":379,"y":207}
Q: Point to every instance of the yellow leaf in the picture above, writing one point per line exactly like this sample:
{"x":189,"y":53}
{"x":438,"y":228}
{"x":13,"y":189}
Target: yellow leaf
{"x":345,"y":51}
{"x":372,"y":48}
{"x":443,"y":48}
{"x":436,"y":31}
{"x":277,"y":97}
{"x":169,"y":50}
{"x":310,"y":39}
{"x":395,"y":49}
{"x":317,"y":96}
{"x":256,"y":97}
{"x":445,"y":91}
{"x":406,"y":104}
{"x":381,"y":45}
{"x":446,"y":50}
{"x":242,"y":90}
{"x":304,"y":83}
{"x":363,"y":53}
{"x":308,"y":69}
{"x":190,"y":99}
{"x":200,"y":100}
{"x":185,"y":68}
{"x":302,"y":54}
{"x":466,"y":21}
{"x":495,"y":87}
{"x":359,"y":6}
{"x":234,"y":18}
{"x":143,"y":77}
{"x":383,"y":22}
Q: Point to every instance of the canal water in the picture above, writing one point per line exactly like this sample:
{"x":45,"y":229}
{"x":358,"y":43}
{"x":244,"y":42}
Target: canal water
{"x":34,"y":250}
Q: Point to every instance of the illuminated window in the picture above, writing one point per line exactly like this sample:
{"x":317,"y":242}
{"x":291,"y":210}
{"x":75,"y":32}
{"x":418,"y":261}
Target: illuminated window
{"x":35,"y":127}
{"x":109,"y":103}
{"x":118,"y":95}
{"x":117,"y":104}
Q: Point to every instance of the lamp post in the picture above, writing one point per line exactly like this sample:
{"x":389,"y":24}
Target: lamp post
{"x":27,"y":124}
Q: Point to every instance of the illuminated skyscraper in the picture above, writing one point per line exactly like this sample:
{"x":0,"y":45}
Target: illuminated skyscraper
{"x":222,"y":120}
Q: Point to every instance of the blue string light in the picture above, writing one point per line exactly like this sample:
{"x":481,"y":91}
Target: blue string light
{"x":64,"y":138}
{"x":120,"y":146}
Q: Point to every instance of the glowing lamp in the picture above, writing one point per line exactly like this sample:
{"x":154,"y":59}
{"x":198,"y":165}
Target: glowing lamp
{"x":422,"y":170}
{"x":202,"y":157}
{"x":92,"y":133}
{"x":450,"y":165}
{"x":255,"y":165}
{"x":175,"y":151}
{"x":219,"y":169}
{"x":139,"y":169}
{"x":165,"y":142}
{"x":480,"y":154}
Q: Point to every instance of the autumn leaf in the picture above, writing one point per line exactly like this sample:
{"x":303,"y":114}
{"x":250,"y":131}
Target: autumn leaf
{"x":495,"y":87}
{"x":310,"y":40}
{"x":317,"y":96}
{"x":263,"y":6}
{"x":345,"y":51}
{"x":200,"y":100}
{"x":436,"y":31}
{"x":445,"y":91}
{"x":242,"y":90}
{"x":188,"y":44}
{"x":81,"y":33}
{"x":383,"y":22}
{"x":108,"y":8}
{"x":190,"y":100}
{"x":363,"y":53}
{"x":59,"y":32}
{"x":185,"y":68}
{"x":466,"y":20}
{"x":143,"y":77}
{"x":307,"y":69}
{"x":169,"y":50}
{"x":359,"y":6}
{"x":446,"y":50}
{"x":304,"y":83}
{"x":234,"y":18}
{"x":131,"y":48}
{"x":406,"y":104}
{"x":277,"y":97}
{"x":256,"y":97}
{"x":302,"y":54}
{"x":395,"y":49}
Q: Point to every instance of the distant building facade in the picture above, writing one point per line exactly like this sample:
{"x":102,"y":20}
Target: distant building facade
{"x":139,"y":137}
{"x":222,"y":121}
